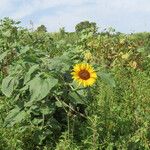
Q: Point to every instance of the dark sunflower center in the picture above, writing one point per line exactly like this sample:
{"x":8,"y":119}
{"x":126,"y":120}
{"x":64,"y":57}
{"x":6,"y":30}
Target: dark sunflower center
{"x":84,"y":74}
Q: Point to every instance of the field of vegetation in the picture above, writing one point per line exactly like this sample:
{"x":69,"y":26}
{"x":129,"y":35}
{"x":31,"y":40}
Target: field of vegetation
{"x":84,"y":90}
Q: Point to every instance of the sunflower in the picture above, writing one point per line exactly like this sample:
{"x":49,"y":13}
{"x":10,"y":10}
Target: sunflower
{"x":84,"y":74}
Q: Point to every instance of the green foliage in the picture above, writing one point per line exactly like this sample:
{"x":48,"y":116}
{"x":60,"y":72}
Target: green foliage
{"x":85,"y":25}
{"x":41,"y":28}
{"x":42,"y":108}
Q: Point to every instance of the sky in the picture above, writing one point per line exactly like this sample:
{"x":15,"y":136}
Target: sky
{"x":123,"y":15}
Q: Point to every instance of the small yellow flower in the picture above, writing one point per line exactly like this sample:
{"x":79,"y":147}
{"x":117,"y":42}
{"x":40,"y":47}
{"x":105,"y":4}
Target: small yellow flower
{"x":120,"y":54}
{"x":122,"y":41}
{"x":125,"y":56}
{"x":84,"y":74}
{"x":88,"y":56}
{"x":133,"y":64}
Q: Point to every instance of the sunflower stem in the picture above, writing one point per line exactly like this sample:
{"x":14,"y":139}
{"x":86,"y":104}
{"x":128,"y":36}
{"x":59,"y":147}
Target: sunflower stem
{"x":89,"y":93}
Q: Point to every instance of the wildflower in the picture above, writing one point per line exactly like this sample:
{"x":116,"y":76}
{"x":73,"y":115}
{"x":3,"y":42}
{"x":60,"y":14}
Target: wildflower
{"x":122,"y":41}
{"x":88,"y":56}
{"x":125,"y":56}
{"x":84,"y":74}
{"x":133,"y":64}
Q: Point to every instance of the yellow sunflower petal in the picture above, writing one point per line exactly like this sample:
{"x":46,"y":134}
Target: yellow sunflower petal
{"x":76,"y":68}
{"x":93,"y":75}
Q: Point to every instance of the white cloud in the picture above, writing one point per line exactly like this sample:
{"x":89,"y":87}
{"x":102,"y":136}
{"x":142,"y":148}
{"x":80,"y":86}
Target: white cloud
{"x":23,"y":8}
{"x":128,"y":5}
{"x":29,"y":7}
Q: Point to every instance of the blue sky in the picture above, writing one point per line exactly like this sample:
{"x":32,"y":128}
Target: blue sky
{"x":123,"y":15}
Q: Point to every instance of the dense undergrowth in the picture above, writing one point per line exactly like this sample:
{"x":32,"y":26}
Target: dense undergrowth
{"x":41,"y":108}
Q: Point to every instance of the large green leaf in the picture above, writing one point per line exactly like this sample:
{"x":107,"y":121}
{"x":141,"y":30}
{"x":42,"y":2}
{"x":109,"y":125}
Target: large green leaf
{"x":46,"y":86}
{"x":40,"y":88}
{"x":16,"y":115}
{"x":11,"y":115}
{"x":61,"y":63}
{"x":35,"y":87}
{"x":8,"y":85}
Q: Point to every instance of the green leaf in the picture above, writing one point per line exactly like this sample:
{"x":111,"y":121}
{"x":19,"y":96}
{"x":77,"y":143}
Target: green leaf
{"x":24,"y":49}
{"x":61,"y":63}
{"x":46,"y":86}
{"x":35,"y":87}
{"x":58,"y":104}
{"x":40,"y":88}
{"x":107,"y":78}
{"x":3,"y":55}
{"x":37,"y":121}
{"x":15,"y":116}
{"x":141,"y":50}
{"x":11,"y":115}
{"x":8,"y":85}
{"x":7,"y":33}
{"x":29,"y":73}
{"x":19,"y":117}
{"x":77,"y":97}
{"x":47,"y":110}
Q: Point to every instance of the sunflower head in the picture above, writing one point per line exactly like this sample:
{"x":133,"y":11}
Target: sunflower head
{"x":84,"y":74}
